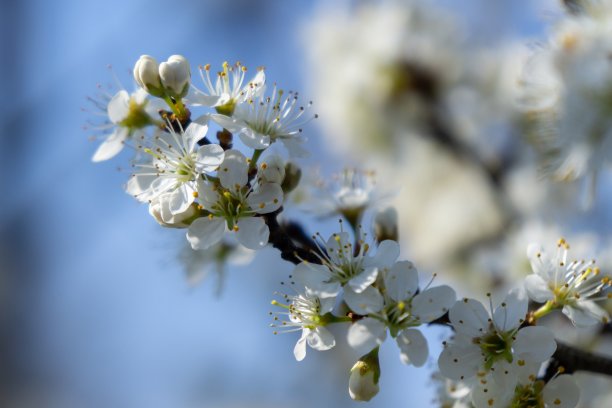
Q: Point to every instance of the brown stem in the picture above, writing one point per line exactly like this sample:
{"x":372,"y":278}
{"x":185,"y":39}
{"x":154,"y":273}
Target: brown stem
{"x":290,"y":239}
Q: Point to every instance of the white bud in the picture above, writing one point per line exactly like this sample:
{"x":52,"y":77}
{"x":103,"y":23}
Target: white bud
{"x":272,"y":169}
{"x":146,"y":75}
{"x":385,"y":225}
{"x":160,"y":211}
{"x":175,"y":75}
{"x":363,"y":382}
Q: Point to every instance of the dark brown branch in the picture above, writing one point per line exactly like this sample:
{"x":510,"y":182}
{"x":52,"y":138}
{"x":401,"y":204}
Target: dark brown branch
{"x":573,"y":359}
{"x":290,"y":239}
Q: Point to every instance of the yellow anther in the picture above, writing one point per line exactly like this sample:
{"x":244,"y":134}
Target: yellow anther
{"x":195,"y":194}
{"x":227,"y":194}
{"x":236,"y":229}
{"x":207,"y":67}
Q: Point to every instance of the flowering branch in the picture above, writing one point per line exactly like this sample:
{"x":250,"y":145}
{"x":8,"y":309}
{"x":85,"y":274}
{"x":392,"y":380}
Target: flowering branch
{"x":571,"y":359}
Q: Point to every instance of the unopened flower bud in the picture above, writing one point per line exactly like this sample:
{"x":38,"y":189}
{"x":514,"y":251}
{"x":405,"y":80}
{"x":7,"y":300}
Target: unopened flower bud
{"x":175,"y":76}
{"x":272,"y":169}
{"x":385,"y":225}
{"x":363,"y":382}
{"x":160,"y":211}
{"x":146,"y":75}
{"x":293,"y":174}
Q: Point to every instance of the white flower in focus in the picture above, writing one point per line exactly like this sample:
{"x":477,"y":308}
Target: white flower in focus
{"x":262,"y":120}
{"x":128,"y":114}
{"x":495,"y":348}
{"x":234,"y":203}
{"x":342,"y":267}
{"x":308,"y":314}
{"x":229,"y":89}
{"x":403,"y":311}
{"x":573,"y":286}
{"x":176,"y":163}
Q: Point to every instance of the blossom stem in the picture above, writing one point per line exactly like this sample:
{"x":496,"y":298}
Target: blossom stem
{"x":256,"y":155}
{"x":178,"y":108}
{"x":544,"y":310}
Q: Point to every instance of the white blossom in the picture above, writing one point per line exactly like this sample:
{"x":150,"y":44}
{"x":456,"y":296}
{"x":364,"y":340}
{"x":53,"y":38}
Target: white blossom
{"x":233,"y":203}
{"x":176,"y":163}
{"x":573,"y":286}
{"x":306,"y":313}
{"x":175,"y":75}
{"x":494,"y":347}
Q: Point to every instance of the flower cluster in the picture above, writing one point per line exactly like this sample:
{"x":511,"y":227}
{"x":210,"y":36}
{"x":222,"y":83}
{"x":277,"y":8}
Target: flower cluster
{"x":228,"y":198}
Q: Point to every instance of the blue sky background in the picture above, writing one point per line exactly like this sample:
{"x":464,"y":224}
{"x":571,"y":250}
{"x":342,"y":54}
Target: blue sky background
{"x":94,"y":307}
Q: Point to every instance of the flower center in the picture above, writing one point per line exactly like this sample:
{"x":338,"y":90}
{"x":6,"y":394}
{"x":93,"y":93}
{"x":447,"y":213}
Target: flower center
{"x":137,"y":117}
{"x":495,"y":346}
{"x":528,"y":396}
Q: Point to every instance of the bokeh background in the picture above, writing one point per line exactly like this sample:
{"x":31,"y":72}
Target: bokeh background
{"x":95,"y":309}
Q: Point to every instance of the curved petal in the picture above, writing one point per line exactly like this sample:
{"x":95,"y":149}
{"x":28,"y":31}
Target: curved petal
{"x":205,"y":232}
{"x":512,"y":311}
{"x":585,"y":313}
{"x":402,"y":281}
{"x":193,"y":134}
{"x":366,"y":334}
{"x":234,"y":169}
{"x":363,"y":280}
{"x":535,"y":343}
{"x":413,"y":347}
{"x":180,"y":199}
{"x":315,"y":278}
{"x":561,"y":392}
{"x":111,"y":146}
{"x":432,"y":303}
{"x":119,"y":107}
{"x":253,"y":139}
{"x":209,"y":158}
{"x":386,"y":254}
{"x":469,"y":317}
{"x":268,"y":198}
{"x":321,"y":339}
{"x":537,"y":289}
{"x":368,"y":301}
{"x":253,"y":232}
{"x":299,"y":351}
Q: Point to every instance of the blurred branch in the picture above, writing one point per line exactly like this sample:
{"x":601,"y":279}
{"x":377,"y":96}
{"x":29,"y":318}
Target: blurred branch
{"x":572,"y":359}
{"x":573,"y":6}
{"x":291,"y":240}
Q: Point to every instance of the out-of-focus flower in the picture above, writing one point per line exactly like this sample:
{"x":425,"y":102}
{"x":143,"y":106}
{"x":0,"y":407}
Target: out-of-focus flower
{"x":567,"y":88}
{"x":385,"y":224}
{"x":128,"y":115}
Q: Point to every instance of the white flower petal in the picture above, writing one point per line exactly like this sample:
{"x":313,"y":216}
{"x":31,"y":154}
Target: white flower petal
{"x":209,"y":158}
{"x":194,"y":133}
{"x":295,"y":147}
{"x":299,"y":351}
{"x":111,"y":146}
{"x":413,"y":347}
{"x":402,"y":281}
{"x":253,"y":232}
{"x":315,"y":278}
{"x":387,"y":254}
{"x":234,"y":169}
{"x":469,"y":316}
{"x":119,"y":107}
{"x":180,"y":199}
{"x":512,"y":311}
{"x":585,"y":313}
{"x":535,"y":343}
{"x":433,"y":303}
{"x":537,"y":288}
{"x":368,"y":301}
{"x":460,"y":362}
{"x":363,"y":280}
{"x":253,"y":139}
{"x":490,"y":395}
{"x":561,"y":392}
{"x":321,"y":339}
{"x":366,"y":334}
{"x":205,"y":232}
{"x":268,"y":198}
